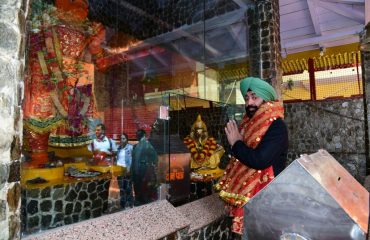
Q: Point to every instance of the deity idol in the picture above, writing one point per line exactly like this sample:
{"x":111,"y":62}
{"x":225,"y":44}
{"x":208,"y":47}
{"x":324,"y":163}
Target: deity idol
{"x":59,"y":87}
{"x":205,"y":152}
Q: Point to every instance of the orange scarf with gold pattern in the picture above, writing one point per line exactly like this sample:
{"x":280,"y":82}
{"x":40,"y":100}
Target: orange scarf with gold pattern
{"x":240,"y":182}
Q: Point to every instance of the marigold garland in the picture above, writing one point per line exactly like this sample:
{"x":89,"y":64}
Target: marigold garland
{"x":200,"y":156}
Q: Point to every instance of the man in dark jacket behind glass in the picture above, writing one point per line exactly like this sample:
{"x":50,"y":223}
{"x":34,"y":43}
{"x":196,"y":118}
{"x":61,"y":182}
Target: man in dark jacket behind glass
{"x":144,"y":170}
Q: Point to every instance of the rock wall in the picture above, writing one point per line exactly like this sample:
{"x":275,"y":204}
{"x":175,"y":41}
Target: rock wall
{"x":264,"y":42}
{"x":217,"y":230}
{"x":337,"y":126}
{"x":12,"y":57}
{"x":365,"y":57}
{"x":63,"y":204}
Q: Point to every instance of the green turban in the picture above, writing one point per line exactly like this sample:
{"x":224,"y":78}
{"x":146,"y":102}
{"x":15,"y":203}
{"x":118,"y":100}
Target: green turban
{"x":261,"y":88}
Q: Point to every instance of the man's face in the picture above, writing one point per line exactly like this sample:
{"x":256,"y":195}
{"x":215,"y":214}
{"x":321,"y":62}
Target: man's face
{"x":252,"y":103}
{"x":99,"y":132}
{"x":123,"y":140}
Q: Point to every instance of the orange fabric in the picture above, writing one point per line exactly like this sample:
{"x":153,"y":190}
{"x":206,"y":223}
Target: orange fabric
{"x":37,"y":92}
{"x":76,"y":10}
{"x":39,"y":158}
{"x":58,"y":41}
{"x":254,"y":129}
{"x":37,"y":142}
{"x":72,"y":42}
{"x":240,"y":183}
{"x":96,"y":39}
{"x":45,"y":50}
{"x":58,"y":94}
{"x":39,"y":145}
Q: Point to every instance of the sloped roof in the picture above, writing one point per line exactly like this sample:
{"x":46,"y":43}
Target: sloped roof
{"x":314,"y":24}
{"x":177,"y":25}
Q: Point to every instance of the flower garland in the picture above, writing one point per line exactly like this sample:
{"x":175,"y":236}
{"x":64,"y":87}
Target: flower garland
{"x":202,"y":153}
{"x":44,"y":15}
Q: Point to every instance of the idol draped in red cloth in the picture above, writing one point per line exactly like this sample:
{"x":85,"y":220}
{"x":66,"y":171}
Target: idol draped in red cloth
{"x":59,"y":102}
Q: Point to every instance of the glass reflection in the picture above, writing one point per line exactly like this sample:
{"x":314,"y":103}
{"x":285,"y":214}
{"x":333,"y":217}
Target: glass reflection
{"x":100,"y":73}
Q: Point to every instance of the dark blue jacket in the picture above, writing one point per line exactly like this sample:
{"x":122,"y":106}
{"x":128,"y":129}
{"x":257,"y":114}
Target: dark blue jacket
{"x":272,"y":150}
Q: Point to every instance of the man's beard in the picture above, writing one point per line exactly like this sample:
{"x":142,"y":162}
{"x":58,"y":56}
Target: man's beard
{"x":250,"y":110}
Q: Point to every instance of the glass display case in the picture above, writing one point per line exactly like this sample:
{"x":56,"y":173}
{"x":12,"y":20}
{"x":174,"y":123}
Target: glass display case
{"x":125,"y":103}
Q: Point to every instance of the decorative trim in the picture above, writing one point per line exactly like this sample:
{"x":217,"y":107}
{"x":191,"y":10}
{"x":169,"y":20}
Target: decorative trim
{"x":43,"y":126}
{"x":58,"y":105}
{"x":331,"y":58}
{"x":68,"y":141}
{"x":233,"y":198}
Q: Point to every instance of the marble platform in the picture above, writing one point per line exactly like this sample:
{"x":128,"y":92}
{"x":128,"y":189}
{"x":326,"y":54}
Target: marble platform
{"x":152,"y":221}
{"x":203,"y":211}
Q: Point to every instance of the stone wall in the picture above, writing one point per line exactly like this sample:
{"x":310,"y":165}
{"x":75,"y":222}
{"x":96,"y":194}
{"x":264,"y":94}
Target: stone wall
{"x":365,"y":57}
{"x":63,"y":204}
{"x":264,"y":41}
{"x":12,"y":48}
{"x":217,"y":230}
{"x":335,"y":125}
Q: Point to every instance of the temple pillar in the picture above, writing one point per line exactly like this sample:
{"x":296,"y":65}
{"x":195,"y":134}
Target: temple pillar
{"x":12,"y":57}
{"x":365,"y":62}
{"x":264,"y":42}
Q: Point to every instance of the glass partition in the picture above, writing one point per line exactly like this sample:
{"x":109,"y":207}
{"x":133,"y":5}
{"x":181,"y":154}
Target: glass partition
{"x":118,"y":96}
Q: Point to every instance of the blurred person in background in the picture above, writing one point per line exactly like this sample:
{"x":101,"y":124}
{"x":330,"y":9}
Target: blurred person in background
{"x":144,"y":170}
{"x":124,"y":159}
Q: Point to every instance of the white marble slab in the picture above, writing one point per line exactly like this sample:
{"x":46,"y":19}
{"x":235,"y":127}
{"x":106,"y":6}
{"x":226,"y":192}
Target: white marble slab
{"x":203,"y":211}
{"x":151,"y":221}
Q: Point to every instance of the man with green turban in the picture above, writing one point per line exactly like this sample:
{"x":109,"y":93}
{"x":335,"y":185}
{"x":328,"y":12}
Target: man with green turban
{"x":252,"y":86}
{"x":259,"y":148}
{"x":260,"y":87}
